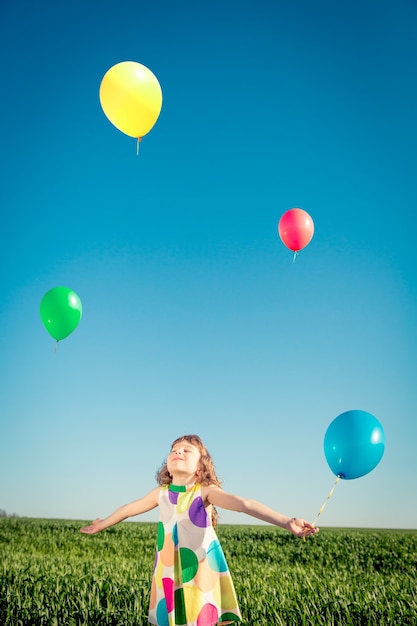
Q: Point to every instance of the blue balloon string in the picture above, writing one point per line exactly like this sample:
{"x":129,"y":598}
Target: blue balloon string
{"x":325,"y":502}
{"x":327,"y":499}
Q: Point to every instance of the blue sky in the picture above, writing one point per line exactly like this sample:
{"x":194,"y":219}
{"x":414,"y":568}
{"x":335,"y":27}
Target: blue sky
{"x":195,"y":318}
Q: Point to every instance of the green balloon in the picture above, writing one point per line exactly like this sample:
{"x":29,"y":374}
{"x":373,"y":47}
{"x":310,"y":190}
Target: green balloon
{"x":61,"y":311}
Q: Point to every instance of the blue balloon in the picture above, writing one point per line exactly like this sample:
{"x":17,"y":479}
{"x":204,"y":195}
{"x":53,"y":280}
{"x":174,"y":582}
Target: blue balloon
{"x":354,"y":444}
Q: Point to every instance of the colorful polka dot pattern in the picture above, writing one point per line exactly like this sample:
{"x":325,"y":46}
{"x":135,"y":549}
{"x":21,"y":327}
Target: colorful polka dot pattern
{"x":191,"y":584}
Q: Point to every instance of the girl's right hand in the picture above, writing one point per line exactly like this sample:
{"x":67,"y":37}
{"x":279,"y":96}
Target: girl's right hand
{"x":300,"y":528}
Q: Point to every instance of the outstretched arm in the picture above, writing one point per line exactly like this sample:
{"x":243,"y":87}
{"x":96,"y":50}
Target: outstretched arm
{"x":148,"y":502}
{"x":296,"y":525}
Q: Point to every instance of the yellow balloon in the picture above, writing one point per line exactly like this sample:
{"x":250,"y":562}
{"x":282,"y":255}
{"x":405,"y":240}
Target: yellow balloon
{"x":131,"y":98}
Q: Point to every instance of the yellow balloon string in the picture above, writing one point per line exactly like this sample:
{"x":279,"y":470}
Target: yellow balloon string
{"x":137,"y":145}
{"x":325,"y":502}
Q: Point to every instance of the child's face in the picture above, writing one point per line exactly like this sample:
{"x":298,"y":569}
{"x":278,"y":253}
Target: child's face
{"x":184,"y":458}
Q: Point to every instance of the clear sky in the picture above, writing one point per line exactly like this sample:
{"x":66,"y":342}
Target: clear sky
{"x":195,"y":318}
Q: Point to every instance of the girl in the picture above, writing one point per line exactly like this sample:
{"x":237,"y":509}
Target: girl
{"x":191,"y":582}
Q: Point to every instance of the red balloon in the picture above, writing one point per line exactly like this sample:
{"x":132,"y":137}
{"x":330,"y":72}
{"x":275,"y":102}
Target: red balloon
{"x":296,"y":229}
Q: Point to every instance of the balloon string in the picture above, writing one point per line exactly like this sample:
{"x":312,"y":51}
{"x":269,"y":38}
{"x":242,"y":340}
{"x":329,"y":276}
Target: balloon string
{"x":325,"y":502}
{"x":295,"y":256}
{"x":137,"y":145}
{"x":55,"y":346}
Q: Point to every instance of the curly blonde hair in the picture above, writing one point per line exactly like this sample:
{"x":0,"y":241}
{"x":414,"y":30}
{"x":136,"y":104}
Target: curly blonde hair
{"x":207,"y":471}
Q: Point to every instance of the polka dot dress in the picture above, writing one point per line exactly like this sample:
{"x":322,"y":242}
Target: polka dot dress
{"x":191,"y":582}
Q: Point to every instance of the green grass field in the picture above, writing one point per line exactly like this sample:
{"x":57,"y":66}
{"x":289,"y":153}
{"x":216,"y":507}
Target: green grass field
{"x":51,"y":574}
